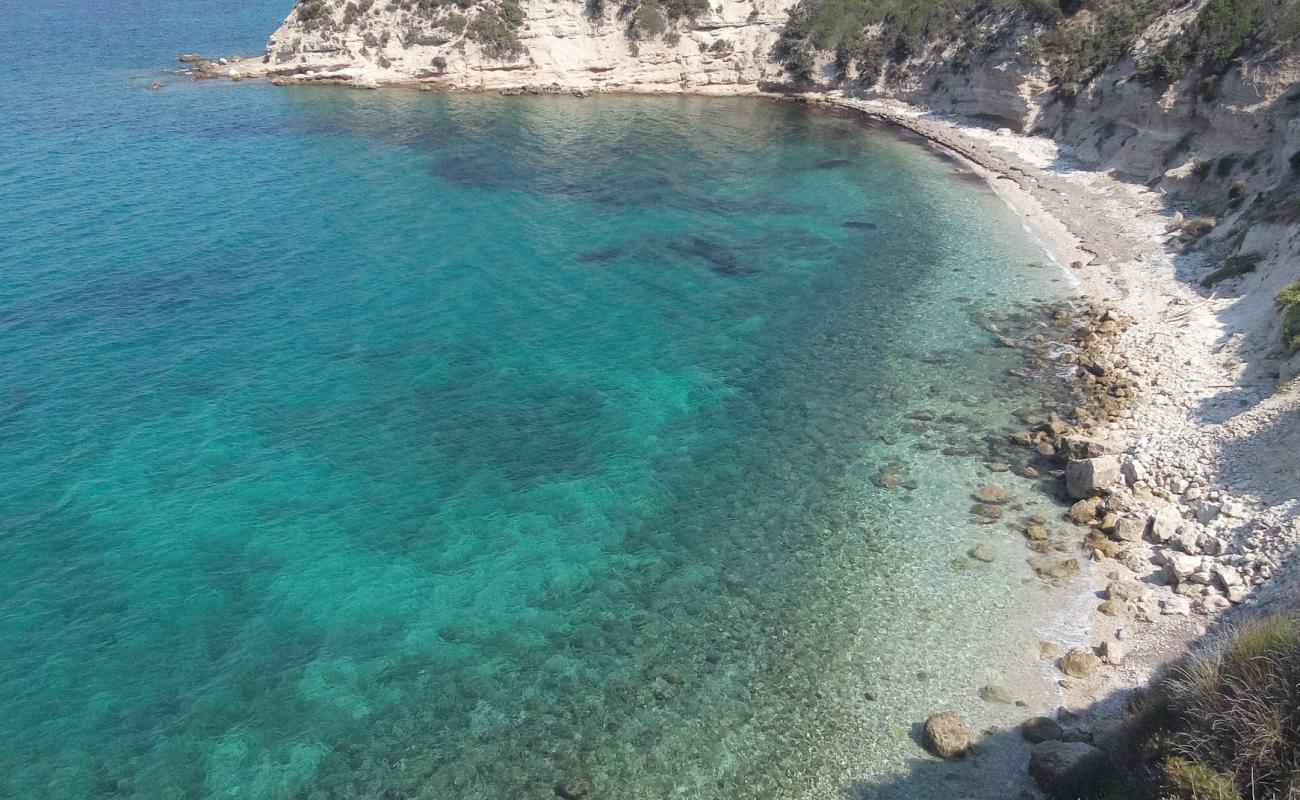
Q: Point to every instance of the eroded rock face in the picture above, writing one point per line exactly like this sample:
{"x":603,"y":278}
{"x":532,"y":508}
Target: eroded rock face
{"x":725,"y":50}
{"x":946,"y":735}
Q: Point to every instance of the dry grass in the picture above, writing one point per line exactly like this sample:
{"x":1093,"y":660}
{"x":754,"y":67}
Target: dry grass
{"x":1233,"y":716}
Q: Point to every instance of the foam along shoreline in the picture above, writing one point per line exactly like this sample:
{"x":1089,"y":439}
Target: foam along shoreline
{"x":1182,"y":525}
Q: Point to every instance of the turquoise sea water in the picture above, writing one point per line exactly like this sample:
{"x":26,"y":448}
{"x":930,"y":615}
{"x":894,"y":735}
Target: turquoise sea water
{"x":377,"y":445}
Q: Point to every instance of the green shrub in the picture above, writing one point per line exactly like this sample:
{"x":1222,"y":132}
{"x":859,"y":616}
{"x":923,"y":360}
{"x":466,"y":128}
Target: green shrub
{"x":1236,"y":706}
{"x":1197,"y":781}
{"x":1167,"y":67}
{"x":1221,"y":29}
{"x":1045,"y":10}
{"x":495,"y":28}
{"x":1288,"y":300}
{"x":1236,"y":267}
{"x":648,"y":21}
{"x":312,"y":11}
{"x":678,"y":9}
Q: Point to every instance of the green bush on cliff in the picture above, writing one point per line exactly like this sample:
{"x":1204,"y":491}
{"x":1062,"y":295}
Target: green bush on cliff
{"x":1076,"y":50}
{"x":647,"y":22}
{"x":312,"y":11}
{"x":1197,"y":781}
{"x":1289,"y":302}
{"x":496,"y":28}
{"x":1221,"y":30}
{"x":651,"y":18}
{"x":1224,"y":724}
{"x":840,"y":27}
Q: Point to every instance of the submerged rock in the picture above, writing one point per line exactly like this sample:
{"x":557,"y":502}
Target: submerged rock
{"x":1036,"y":533}
{"x":995,"y":694}
{"x":946,"y":735}
{"x":994,"y":493}
{"x":982,"y":552}
{"x":572,"y":790}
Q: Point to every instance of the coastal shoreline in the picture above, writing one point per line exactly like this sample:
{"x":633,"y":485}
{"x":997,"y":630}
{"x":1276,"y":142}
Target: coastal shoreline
{"x":1119,"y":240}
{"x":1229,"y":528}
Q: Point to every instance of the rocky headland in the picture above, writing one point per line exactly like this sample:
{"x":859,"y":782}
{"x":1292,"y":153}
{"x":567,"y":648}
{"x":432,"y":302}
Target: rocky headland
{"x":1161,"y":171}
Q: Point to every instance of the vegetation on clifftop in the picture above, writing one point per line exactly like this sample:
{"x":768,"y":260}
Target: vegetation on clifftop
{"x":1074,"y":39}
{"x":494,"y":24}
{"x":1222,"y":31}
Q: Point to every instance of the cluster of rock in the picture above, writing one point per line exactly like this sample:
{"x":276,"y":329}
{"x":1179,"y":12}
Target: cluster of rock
{"x":1174,"y":544}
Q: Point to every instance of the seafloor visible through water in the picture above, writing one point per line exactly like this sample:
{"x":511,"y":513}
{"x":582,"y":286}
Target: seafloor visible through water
{"x":396,"y":445}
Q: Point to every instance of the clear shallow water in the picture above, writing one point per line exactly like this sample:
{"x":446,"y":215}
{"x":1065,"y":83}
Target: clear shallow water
{"x":403,"y":445}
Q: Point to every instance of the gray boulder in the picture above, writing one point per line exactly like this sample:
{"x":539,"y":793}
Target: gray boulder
{"x":1129,"y":529}
{"x":1091,"y":476}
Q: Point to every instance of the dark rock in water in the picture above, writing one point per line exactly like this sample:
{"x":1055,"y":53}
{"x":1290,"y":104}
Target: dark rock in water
{"x":888,"y":479}
{"x":457,"y":633}
{"x":1036,"y":533}
{"x":833,"y":163}
{"x":572,"y":790}
{"x":995,"y":694}
{"x":854,"y":225}
{"x":946,"y":735}
{"x":982,"y":552}
{"x":924,"y":416}
{"x":721,"y":261}
{"x":986,"y":512}
{"x":603,"y":256}
{"x":190,"y":58}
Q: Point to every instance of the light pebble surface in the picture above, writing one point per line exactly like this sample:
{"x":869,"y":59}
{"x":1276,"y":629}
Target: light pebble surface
{"x":1208,"y":454}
